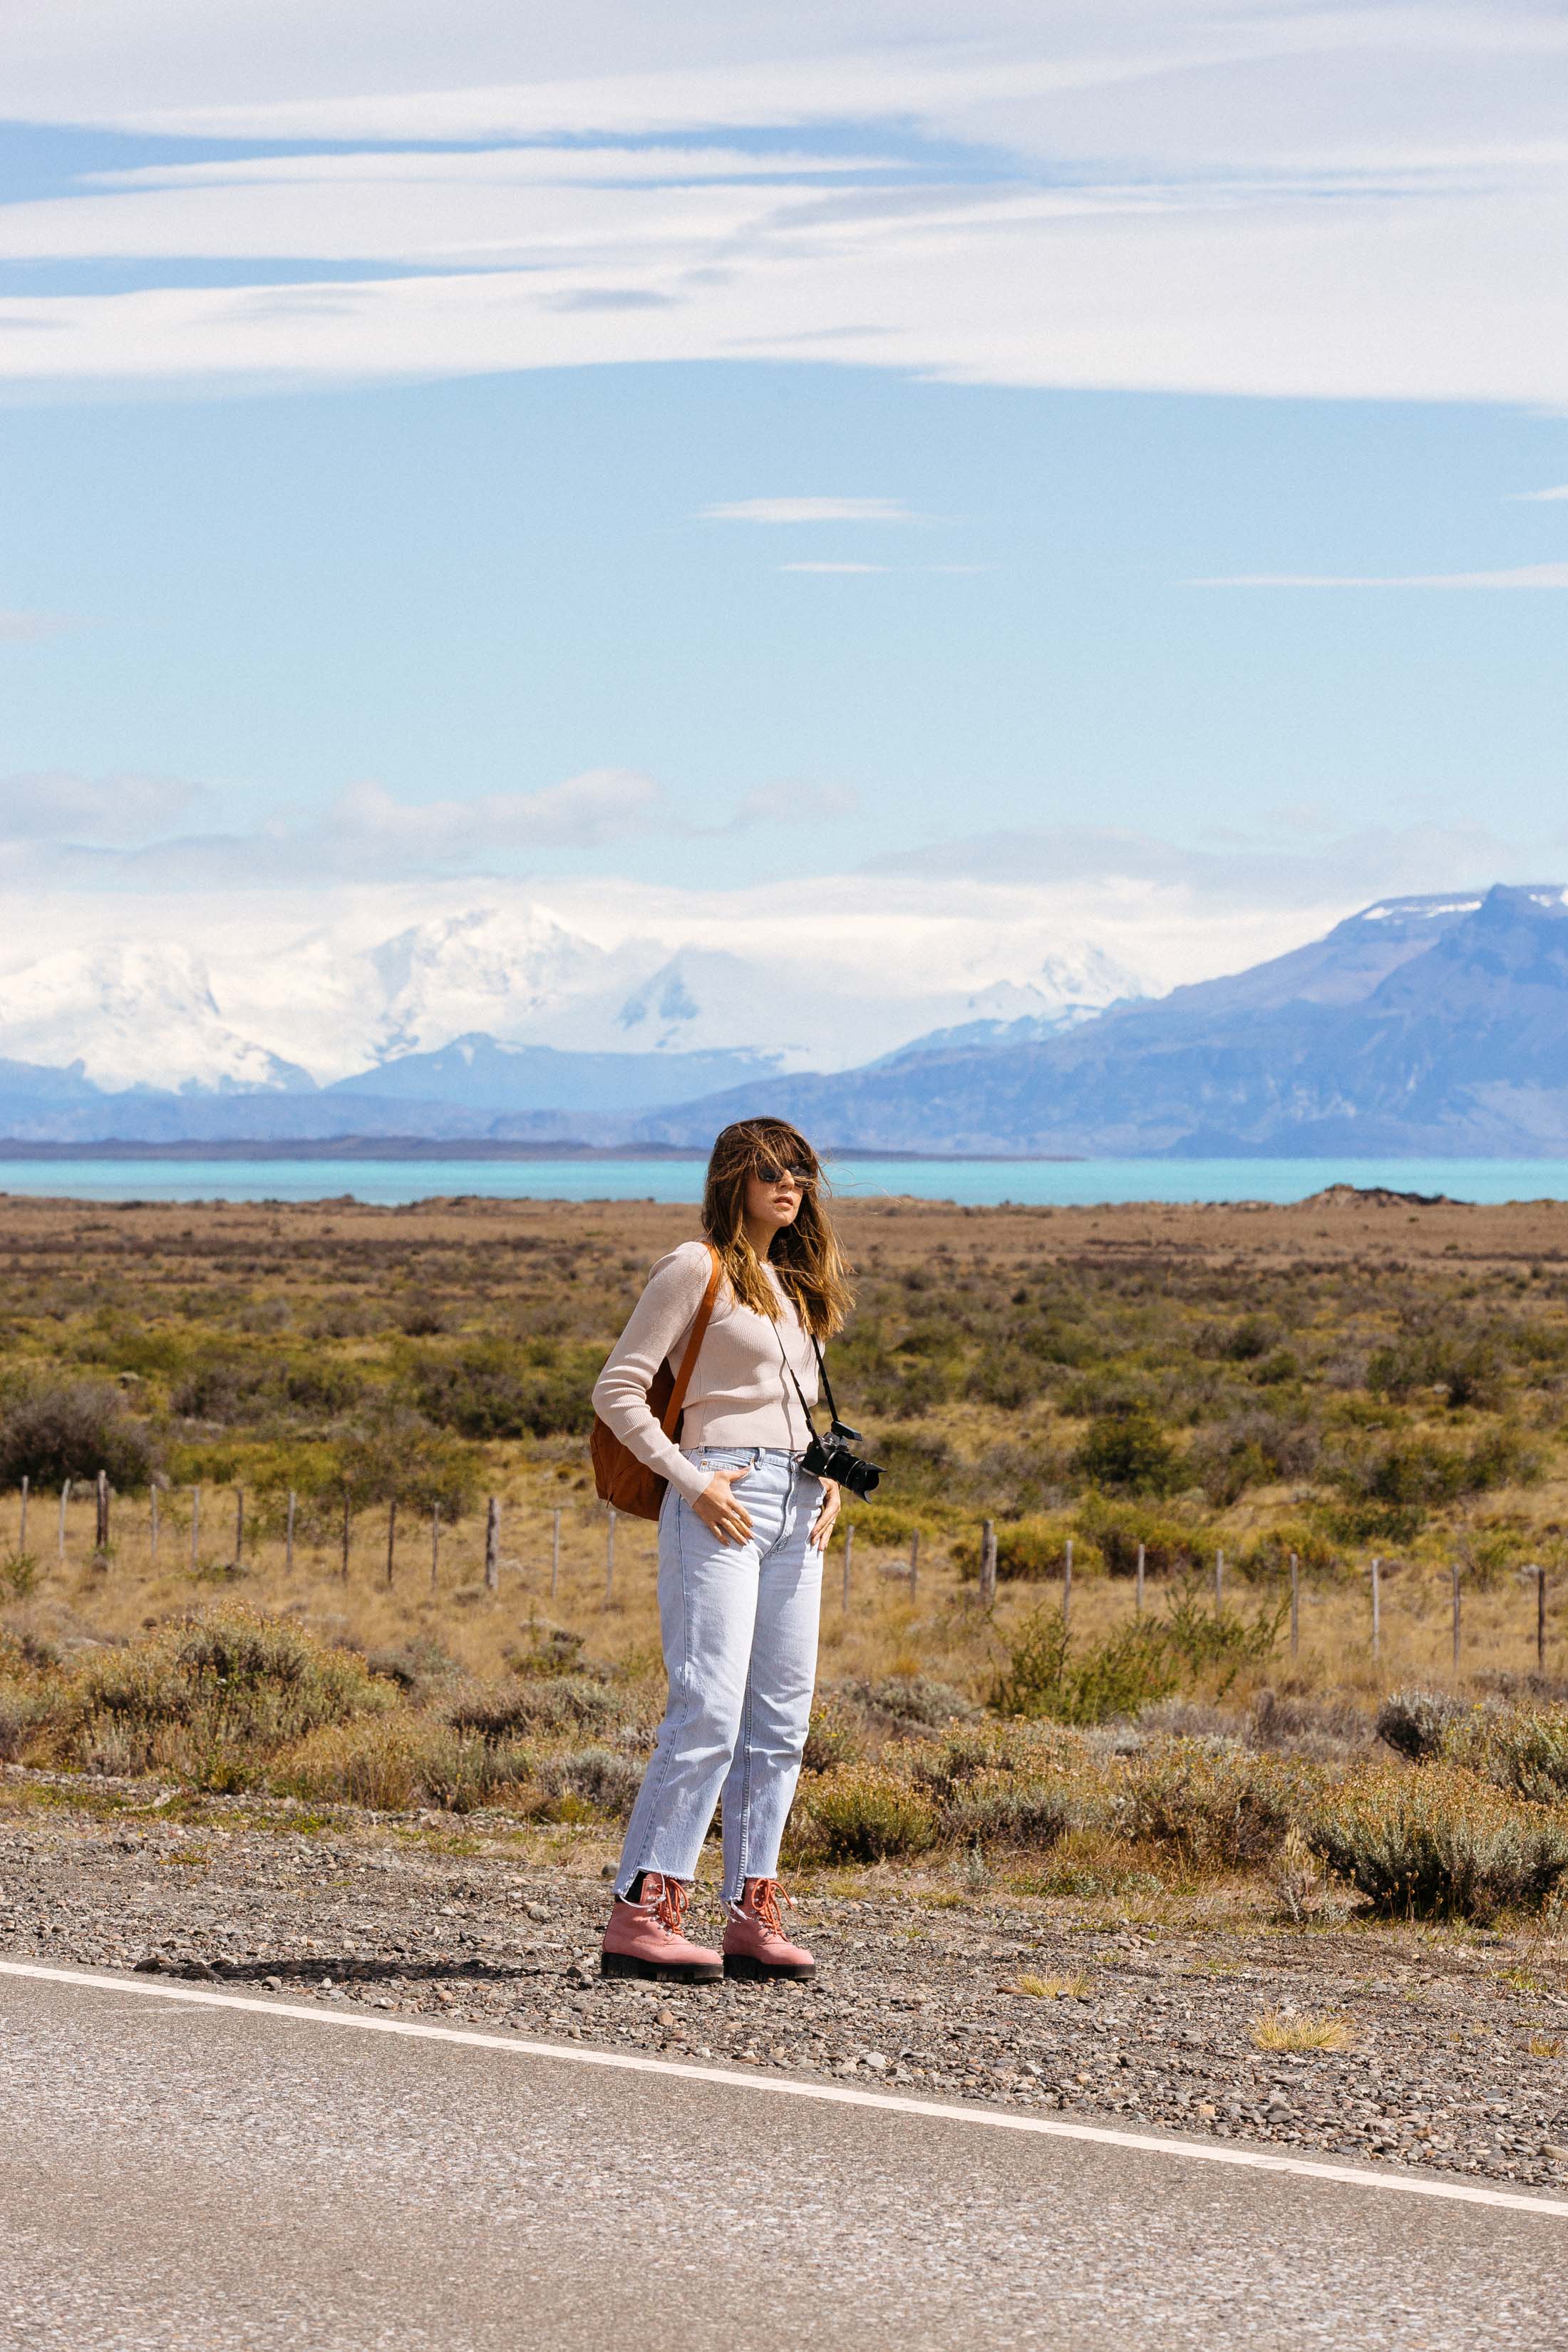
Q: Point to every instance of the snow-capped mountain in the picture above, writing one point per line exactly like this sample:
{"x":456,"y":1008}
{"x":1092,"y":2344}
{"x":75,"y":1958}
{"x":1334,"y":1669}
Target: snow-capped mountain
{"x":323,"y":1008}
{"x":132,"y":1016}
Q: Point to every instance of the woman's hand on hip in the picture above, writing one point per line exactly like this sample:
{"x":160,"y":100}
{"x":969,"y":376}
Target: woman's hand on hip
{"x":723,"y":1511}
{"x":827,"y":1512}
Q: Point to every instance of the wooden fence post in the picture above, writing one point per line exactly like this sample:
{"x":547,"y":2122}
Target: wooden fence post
{"x":434,"y":1546}
{"x":848,"y":1556}
{"x":346,"y":1518}
{"x":493,"y":1546}
{"x":1137,"y":1601}
{"x":914,"y":1563}
{"x":1295,"y":1606}
{"x":1218,"y":1583}
{"x":1067,"y":1583}
{"x":239,"y":1527}
{"x":1455,"y":1576}
{"x":65,"y":1498}
{"x":390,"y":1541}
{"x":1376,"y":1607}
{"x":152,"y":1537}
{"x":988,"y":1563}
{"x":554,"y":1552}
{"x":22,"y":1532}
{"x":1540,"y":1618}
{"x":195,"y":1525}
{"x":100,"y":1533}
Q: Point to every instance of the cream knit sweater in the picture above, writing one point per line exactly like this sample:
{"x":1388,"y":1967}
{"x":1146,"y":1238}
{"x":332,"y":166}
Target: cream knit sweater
{"x":741,"y":1393}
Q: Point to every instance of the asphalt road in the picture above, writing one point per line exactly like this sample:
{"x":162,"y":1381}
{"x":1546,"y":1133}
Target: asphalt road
{"x":175,"y":2176}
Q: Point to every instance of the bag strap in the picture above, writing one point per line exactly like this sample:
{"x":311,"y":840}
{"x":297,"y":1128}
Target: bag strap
{"x":669,"y":1419}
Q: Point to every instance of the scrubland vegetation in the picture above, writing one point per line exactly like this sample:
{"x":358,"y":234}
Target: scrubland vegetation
{"x":1335,"y":1383}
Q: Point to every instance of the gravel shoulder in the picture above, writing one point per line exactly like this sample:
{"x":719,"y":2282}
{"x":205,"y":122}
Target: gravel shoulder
{"x":1457,"y":2058}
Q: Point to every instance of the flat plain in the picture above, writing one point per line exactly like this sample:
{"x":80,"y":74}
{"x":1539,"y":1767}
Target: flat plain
{"x":1158,"y":1861}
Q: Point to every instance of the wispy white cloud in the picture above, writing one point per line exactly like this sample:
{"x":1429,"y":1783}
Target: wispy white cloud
{"x":52,"y":804}
{"x":1524,"y":576}
{"x":1302,"y":201}
{"x":812,"y":510}
{"x":26,"y":628}
{"x":367,"y":830}
{"x":1541,"y":498}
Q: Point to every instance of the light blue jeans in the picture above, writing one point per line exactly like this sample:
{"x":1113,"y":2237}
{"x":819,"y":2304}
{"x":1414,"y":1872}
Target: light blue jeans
{"x":739,"y":1623}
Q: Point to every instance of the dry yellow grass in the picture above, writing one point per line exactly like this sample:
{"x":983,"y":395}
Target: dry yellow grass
{"x":879,"y":1631}
{"x":1050,"y":1988}
{"x":1546,"y":2045}
{"x":1278,"y":2029}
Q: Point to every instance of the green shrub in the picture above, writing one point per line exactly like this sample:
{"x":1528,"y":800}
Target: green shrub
{"x":1029,"y":1550}
{"x":1226,"y":1811}
{"x":1127,"y":1452}
{"x":491,"y":1389}
{"x":1439,"y":1845}
{"x":1118,"y":1676}
{"x":865,"y":1816}
{"x":74,"y":1432}
{"x":1214,"y":1646}
{"x":1116,"y":1528}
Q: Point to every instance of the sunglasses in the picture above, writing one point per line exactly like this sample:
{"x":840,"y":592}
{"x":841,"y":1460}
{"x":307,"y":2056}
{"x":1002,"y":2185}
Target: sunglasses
{"x":803,"y":1178}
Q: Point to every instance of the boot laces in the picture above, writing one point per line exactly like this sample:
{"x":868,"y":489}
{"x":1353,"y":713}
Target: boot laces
{"x":767,"y":1897}
{"x":671,"y":1907}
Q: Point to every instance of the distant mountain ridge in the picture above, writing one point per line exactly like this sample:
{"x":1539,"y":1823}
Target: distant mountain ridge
{"x":1435,"y":1024}
{"x":1423,"y":1024}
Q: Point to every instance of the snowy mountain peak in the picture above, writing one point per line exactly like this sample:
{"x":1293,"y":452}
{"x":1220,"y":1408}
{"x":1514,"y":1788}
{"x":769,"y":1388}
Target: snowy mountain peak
{"x":128,"y":1015}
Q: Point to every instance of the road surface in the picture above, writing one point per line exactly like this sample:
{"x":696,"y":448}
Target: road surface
{"x":228,"y":2177}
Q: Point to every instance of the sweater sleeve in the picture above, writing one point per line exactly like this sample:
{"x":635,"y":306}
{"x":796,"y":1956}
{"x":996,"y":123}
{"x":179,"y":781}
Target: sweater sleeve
{"x":660,"y":1318}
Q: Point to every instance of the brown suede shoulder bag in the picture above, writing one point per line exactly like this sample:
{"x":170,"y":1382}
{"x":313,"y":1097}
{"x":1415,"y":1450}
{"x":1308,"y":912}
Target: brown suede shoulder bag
{"x":630,"y":1484}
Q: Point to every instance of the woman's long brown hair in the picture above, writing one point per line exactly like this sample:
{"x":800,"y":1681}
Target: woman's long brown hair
{"x":805,"y":1255}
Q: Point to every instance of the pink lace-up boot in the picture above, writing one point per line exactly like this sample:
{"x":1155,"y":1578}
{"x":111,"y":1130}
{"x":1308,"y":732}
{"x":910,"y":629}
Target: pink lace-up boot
{"x":755,"y":1945}
{"x":644,"y":1937}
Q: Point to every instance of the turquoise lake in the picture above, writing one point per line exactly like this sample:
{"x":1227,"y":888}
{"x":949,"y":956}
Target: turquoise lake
{"x":972,"y":1182}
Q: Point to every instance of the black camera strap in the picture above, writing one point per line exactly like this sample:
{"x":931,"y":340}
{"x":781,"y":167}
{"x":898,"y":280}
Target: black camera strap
{"x":821,"y":1374}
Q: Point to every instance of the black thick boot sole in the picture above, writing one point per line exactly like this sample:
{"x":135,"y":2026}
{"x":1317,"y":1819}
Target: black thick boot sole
{"x":749,"y":1972}
{"x":623,"y":1964}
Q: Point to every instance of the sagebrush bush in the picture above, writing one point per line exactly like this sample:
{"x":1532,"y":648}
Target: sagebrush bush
{"x":917,"y":1700}
{"x":1439,"y":1845}
{"x":210,"y":1699}
{"x":1001,"y":1810}
{"x":1414,"y":1722}
{"x":565,"y":1703}
{"x":1523,"y":1750}
{"x":862,"y":1815}
{"x":1214,"y":1811}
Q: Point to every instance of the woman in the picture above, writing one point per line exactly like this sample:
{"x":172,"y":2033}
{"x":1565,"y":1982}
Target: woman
{"x":741,"y":1539}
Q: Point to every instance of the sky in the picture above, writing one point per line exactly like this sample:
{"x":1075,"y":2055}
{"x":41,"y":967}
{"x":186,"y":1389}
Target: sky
{"x":1102,"y":466}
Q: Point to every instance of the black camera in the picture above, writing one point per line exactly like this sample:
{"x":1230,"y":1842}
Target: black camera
{"x":829,"y":1457}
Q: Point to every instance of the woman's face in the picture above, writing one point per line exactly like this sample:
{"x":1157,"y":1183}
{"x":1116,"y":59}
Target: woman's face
{"x":773,"y":1196}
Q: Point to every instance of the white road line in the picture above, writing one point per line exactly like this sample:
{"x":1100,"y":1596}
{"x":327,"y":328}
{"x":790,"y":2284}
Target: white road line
{"x":834,"y":2094}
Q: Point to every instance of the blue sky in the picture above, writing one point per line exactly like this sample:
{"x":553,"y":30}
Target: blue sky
{"x":371,"y":400}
